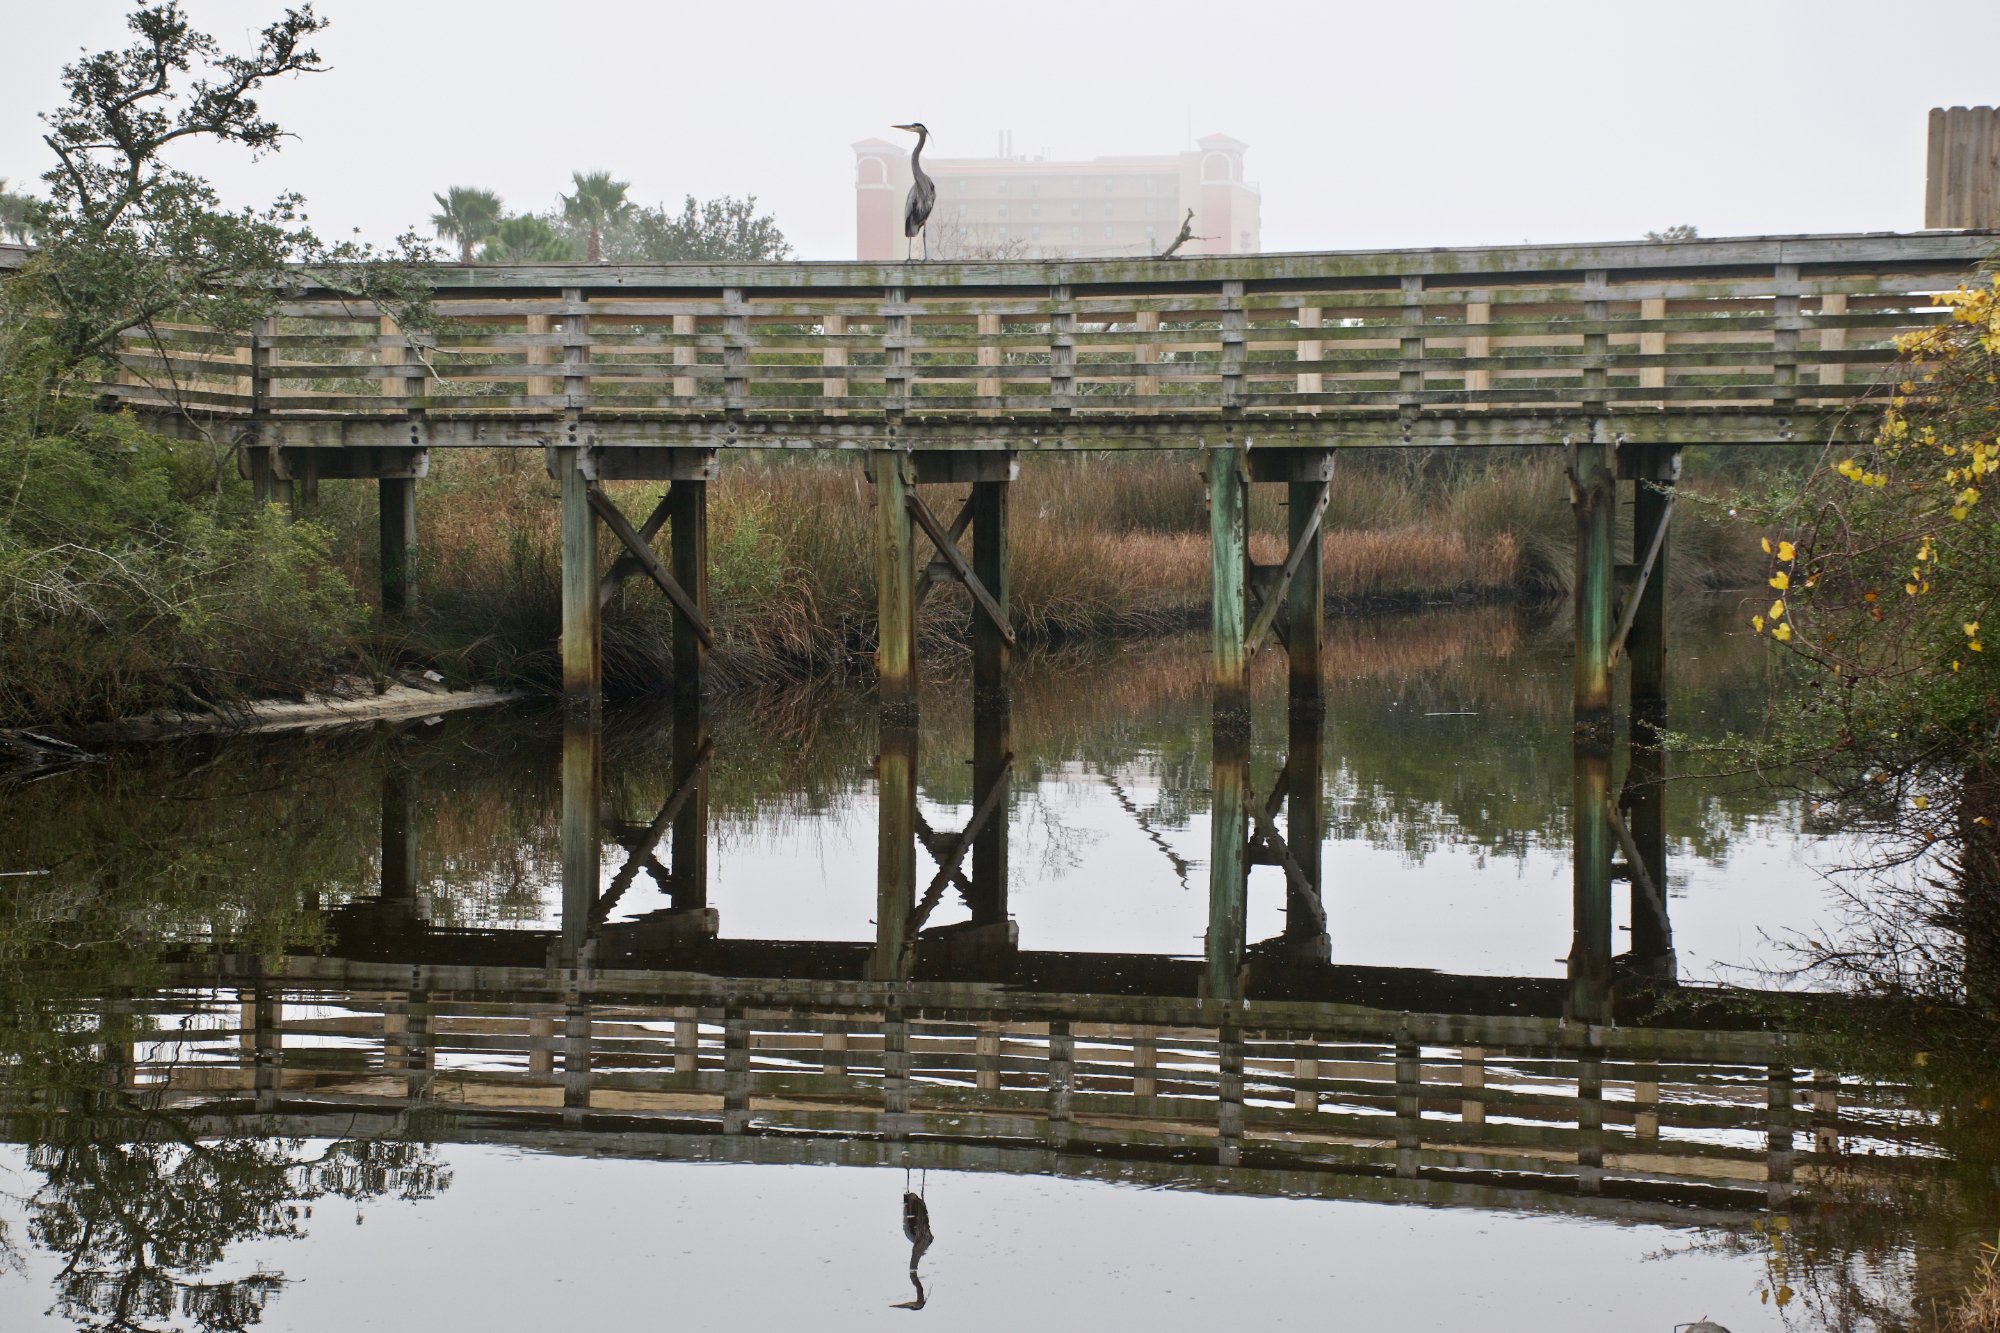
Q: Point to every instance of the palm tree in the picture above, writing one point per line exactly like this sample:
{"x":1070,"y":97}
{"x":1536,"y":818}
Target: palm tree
{"x":525,"y":240}
{"x":17,"y":215}
{"x":598,"y":201}
{"x":467,"y":216}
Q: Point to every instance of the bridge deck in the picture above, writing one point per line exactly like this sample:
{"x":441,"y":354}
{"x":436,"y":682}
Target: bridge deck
{"x":1759,"y":340}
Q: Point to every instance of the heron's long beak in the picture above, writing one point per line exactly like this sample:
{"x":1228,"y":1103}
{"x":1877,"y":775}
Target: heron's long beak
{"x":911,"y":128}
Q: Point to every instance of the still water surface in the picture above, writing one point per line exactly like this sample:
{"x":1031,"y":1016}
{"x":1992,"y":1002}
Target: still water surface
{"x":241,"y":1099}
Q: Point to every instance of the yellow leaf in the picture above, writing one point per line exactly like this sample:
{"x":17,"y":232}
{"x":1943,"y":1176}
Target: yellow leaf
{"x":1767,"y":545}
{"x":1921,"y":802}
{"x":1757,"y":624}
{"x":1923,"y":1059}
{"x":1786,"y":551}
{"x":1973,"y":644}
{"x":1781,"y":580}
{"x":1782,"y":633}
{"x":1971,"y":629}
{"x":1777,"y":611}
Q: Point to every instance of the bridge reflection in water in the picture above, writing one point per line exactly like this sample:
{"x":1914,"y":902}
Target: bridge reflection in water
{"x":1263,"y":1067}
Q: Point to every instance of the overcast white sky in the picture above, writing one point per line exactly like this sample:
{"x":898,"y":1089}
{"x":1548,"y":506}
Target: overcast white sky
{"x":1369,"y":125}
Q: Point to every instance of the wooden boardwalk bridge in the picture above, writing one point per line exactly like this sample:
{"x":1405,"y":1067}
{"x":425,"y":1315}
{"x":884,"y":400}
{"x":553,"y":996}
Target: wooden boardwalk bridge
{"x":945,"y":374}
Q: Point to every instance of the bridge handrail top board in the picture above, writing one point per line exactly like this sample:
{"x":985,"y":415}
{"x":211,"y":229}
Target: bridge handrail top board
{"x":1459,"y":263}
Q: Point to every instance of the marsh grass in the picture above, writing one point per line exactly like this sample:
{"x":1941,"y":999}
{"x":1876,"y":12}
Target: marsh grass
{"x":1100,"y":546}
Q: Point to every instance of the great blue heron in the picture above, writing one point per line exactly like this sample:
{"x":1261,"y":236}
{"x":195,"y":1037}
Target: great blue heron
{"x":923,"y":191}
{"x":917,"y":1230}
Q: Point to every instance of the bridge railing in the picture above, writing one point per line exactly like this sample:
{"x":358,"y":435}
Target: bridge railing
{"x":1639,"y":1110}
{"x":1765,"y":323}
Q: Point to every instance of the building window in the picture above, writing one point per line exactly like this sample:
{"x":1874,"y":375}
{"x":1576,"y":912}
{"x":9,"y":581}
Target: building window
{"x":1076,"y":210}
{"x":1076,"y":233}
{"x":1107,"y":233}
{"x":1149,"y":209}
{"x":1003,"y":233}
{"x":1108,"y":210}
{"x":1035,"y":232}
{"x":1003,"y":210}
{"x":961,"y":210}
{"x":964,"y":184}
{"x":1244,"y":245}
{"x":1003,"y":187}
{"x":1107,"y":185}
{"x":1034,"y":187}
{"x":1034,"y":210}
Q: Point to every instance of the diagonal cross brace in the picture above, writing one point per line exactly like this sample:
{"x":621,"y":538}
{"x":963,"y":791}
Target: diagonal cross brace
{"x":1264,"y":815}
{"x":1267,"y":614}
{"x":641,"y":847}
{"x":947,"y":547}
{"x":939,"y":568}
{"x":614,"y":518}
{"x":627,"y":564}
{"x":934,"y":843}
{"x":1630,"y":613}
{"x":955,"y":854}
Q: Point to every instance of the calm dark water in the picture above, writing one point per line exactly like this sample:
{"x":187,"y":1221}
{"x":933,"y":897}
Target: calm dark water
{"x":320,"y":1032}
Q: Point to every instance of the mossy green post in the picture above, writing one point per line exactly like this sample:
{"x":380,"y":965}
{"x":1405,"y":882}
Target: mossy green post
{"x":992,"y":733}
{"x":582,"y":790}
{"x":582,"y":648}
{"x":895,"y":589}
{"x":1593,"y":473}
{"x":1305,"y":921}
{"x":1652,"y":934}
{"x":896,"y":852}
{"x":397,"y":501}
{"x":1228,"y":505}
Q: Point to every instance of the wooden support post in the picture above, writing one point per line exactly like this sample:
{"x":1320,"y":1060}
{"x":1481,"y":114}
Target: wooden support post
{"x":1229,"y":554}
{"x":833,"y":386}
{"x":268,"y":485}
{"x":397,"y":500}
{"x":1305,"y":910}
{"x":1472,"y":1079}
{"x":992,"y":734}
{"x":1305,"y":1073}
{"x":1145,"y":1061}
{"x":1593,"y":492}
{"x":1646,"y":645}
{"x":1826,"y":1114}
{"x":690,"y":829}
{"x":895,"y":589}
{"x":1832,"y":306}
{"x":1062,"y":1081}
{"x":989,"y":354}
{"x":419,"y":1047}
{"x":896,"y":853}
{"x":833,"y":1053}
{"x":687,"y":505}
{"x":1147,"y":322}
{"x":582,"y":791}
{"x":582,"y":648}
{"x":266,"y":1017}
{"x":399,"y":843}
{"x":896,"y":1073}
{"x":1228,"y":857}
{"x":986,"y":1044}
{"x":1409,"y":1106}
{"x":1310,"y":349}
{"x":687,"y":1041}
{"x":1478,"y":347}
{"x":1646,"y":1101}
{"x":1229,"y":1096}
{"x":735,"y":1071}
{"x":1779,"y":1114}
{"x":576,"y":1058}
{"x":1652,"y":309}
{"x":541,"y":1046}
{"x":1590,"y":1124}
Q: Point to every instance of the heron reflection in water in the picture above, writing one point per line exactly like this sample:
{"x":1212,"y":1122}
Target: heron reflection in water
{"x":917,"y":1230}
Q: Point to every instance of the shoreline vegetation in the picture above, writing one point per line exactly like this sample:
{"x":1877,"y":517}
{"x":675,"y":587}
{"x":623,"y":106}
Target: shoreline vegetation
{"x":159,"y":586}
